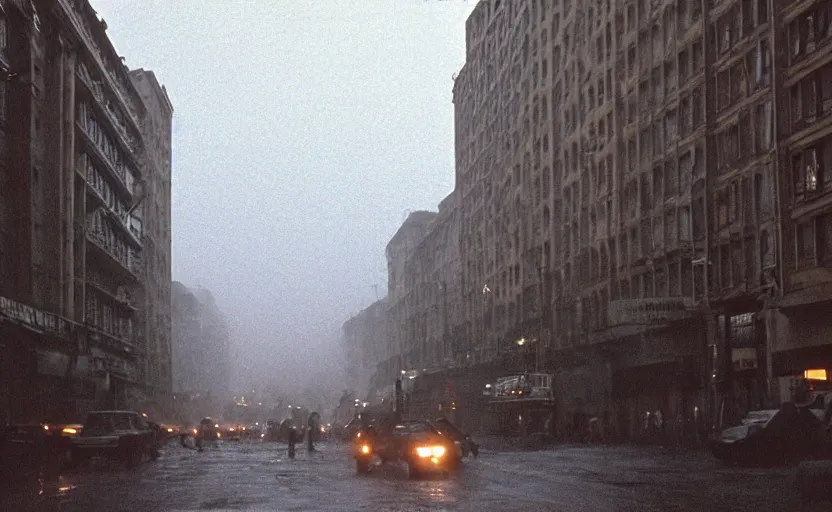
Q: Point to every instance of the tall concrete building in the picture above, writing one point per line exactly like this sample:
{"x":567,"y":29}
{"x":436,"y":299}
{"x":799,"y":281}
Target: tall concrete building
{"x":399,"y":292}
{"x":365,"y":342}
{"x":419,"y":326}
{"x":156,"y":216}
{"x":72,"y":164}
{"x":642,"y":201}
{"x":431,"y":308}
{"x":800,"y":323}
{"x":200,"y":344}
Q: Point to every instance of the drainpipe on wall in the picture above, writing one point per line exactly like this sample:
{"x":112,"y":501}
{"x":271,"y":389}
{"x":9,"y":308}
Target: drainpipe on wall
{"x":774,"y":24}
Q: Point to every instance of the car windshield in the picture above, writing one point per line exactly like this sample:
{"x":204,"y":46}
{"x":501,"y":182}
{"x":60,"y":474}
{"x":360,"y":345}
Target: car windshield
{"x":98,"y":424}
{"x":411,"y":428}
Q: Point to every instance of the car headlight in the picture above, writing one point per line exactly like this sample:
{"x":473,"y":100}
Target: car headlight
{"x":430,"y":451}
{"x":69,"y":431}
{"x":365,"y":449}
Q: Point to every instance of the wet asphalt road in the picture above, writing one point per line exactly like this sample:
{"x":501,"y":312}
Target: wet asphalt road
{"x":254,"y":476}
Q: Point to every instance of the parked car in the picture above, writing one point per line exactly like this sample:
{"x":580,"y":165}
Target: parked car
{"x":27,"y":451}
{"x":122,"y":435}
{"x":788,"y":434}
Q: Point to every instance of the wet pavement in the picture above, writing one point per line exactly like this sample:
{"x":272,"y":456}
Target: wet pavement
{"x":254,"y":476}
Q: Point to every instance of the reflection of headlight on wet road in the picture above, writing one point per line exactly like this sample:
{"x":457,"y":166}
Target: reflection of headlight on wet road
{"x":430,"y":451}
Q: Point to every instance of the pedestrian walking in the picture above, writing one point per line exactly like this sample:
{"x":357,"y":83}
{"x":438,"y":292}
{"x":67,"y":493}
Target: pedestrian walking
{"x":293,"y":437}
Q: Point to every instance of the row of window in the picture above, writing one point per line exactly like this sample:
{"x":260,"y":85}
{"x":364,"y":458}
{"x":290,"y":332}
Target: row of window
{"x":740,"y":262}
{"x":111,"y":240}
{"x":105,"y":144}
{"x":739,"y":22}
{"x":747,"y":76}
{"x":107,"y":318}
{"x":741,"y":201}
{"x":96,"y":179}
{"x":746,"y":138}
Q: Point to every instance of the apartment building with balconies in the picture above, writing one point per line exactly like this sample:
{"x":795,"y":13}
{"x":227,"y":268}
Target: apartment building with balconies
{"x":74,"y":166}
{"x":156,"y":215}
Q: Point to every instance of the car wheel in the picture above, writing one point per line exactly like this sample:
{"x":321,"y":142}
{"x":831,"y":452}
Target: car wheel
{"x":413,"y":472}
{"x":153,"y":451}
{"x":75,"y":458}
{"x":133,"y":457}
{"x":362,"y":466}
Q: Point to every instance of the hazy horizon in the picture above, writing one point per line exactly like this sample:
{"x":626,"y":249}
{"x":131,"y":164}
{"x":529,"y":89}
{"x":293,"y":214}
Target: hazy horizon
{"x":303,"y":134}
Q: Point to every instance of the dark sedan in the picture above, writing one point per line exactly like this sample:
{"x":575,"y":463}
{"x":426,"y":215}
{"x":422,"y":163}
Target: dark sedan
{"x":416,"y":443}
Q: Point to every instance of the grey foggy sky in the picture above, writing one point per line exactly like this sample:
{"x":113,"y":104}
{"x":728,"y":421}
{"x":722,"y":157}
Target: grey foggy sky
{"x":303,"y":131}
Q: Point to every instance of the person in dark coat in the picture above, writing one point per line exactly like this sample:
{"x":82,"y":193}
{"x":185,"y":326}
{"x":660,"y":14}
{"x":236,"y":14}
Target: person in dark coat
{"x":293,"y":437}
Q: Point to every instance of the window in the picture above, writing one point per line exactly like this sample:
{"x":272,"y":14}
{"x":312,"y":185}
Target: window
{"x":723,"y":86}
{"x":725,"y":266}
{"x":747,"y":17}
{"x":697,"y":114}
{"x":795,"y":42}
{"x":4,"y":38}
{"x":805,"y":173}
{"x":805,"y":244}
{"x":696,"y":56}
{"x":826,"y":87}
{"x":761,"y":11}
{"x":683,"y":65}
{"x":725,"y":36}
{"x":796,"y":106}
{"x":809,"y":99}
{"x":824,"y":228}
{"x":682,"y":16}
{"x":762,"y":126}
{"x":763,"y":63}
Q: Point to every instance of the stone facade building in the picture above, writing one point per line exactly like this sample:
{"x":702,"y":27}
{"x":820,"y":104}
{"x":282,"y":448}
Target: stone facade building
{"x":643,"y":209}
{"x":422,"y":314}
{"x":73,"y":161}
{"x":365,"y":346}
{"x":201,"y":351}
{"x":156,"y":207}
{"x":800,"y":327}
{"x":432,"y":309}
{"x":641,"y":197}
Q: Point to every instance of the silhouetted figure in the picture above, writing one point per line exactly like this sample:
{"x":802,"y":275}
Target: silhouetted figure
{"x":314,"y":425}
{"x":293,"y":437}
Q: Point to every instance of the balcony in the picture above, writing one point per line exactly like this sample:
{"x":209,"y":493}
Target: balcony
{"x":118,"y":255}
{"x":104,"y":156}
{"x":79,"y":21}
{"x":104,"y":109}
{"x":121,"y":296}
{"x":114,"y":209}
{"x":652,"y":311}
